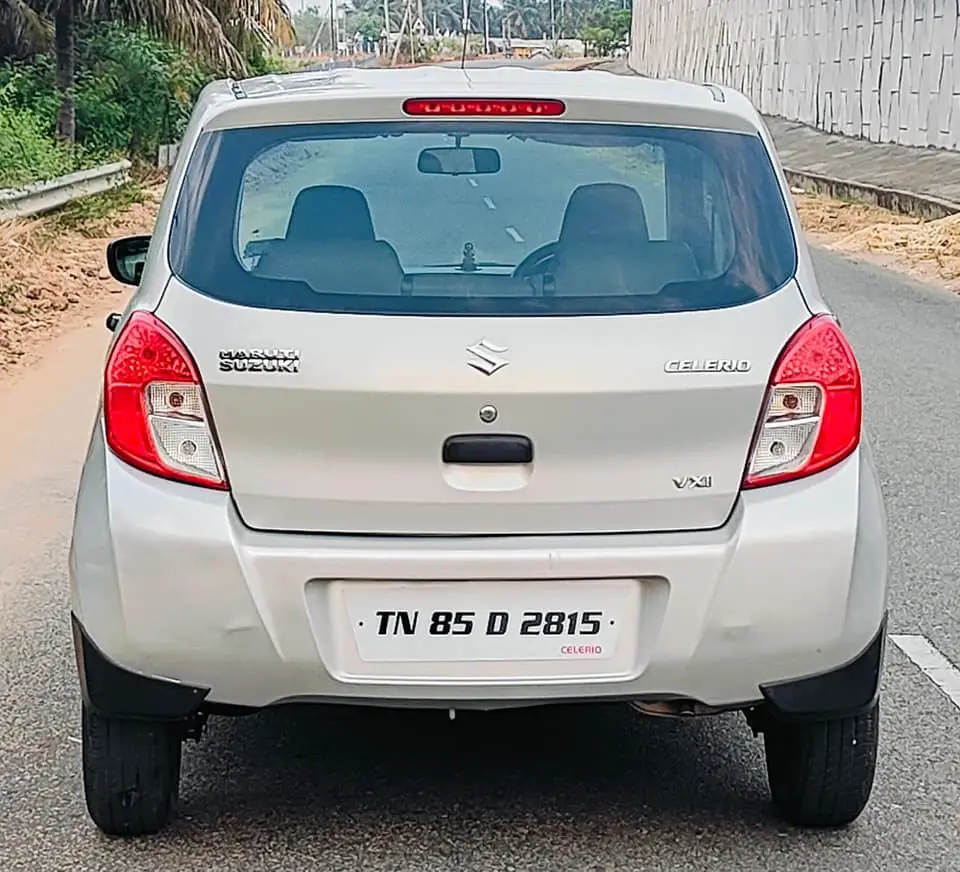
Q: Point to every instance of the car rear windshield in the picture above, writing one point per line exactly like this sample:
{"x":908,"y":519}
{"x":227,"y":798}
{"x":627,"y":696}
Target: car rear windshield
{"x":527,"y":218}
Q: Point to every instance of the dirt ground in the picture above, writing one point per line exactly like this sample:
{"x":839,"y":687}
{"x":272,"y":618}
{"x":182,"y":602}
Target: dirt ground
{"x":925,"y":250}
{"x":53,"y":274}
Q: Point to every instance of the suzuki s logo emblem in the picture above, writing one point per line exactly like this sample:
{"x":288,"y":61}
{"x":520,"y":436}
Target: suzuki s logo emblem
{"x":486,"y":357}
{"x":693,"y":481}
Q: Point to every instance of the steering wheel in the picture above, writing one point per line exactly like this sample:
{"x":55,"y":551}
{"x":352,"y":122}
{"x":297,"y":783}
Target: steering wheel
{"x":535,"y":262}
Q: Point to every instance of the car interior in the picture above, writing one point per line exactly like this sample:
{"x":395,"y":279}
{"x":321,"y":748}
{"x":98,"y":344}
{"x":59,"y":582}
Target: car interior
{"x":604,"y":248}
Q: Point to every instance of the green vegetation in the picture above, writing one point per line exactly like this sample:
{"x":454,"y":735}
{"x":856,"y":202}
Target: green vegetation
{"x":85,"y":81}
{"x":606,"y":28}
{"x":133,"y":93}
{"x":28,"y":151}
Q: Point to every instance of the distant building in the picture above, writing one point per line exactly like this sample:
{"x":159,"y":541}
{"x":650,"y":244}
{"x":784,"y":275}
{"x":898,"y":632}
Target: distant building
{"x":525,"y":48}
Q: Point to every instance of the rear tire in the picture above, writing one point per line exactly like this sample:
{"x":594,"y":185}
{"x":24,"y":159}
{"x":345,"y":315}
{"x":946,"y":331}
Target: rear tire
{"x":821,"y":773}
{"x":131,"y":773}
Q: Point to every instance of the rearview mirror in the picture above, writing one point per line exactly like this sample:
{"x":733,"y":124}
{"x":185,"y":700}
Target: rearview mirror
{"x":459,"y":161}
{"x":126,"y":258}
{"x":258,"y":247}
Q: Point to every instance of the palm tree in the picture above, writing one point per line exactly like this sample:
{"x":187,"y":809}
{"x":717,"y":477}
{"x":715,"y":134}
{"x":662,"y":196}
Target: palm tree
{"x":25,"y":27}
{"x":522,"y":17}
{"x":221,"y":32}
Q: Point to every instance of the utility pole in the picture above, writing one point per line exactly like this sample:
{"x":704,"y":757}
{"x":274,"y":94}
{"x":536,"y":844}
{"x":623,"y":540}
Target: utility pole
{"x":333,"y":27}
{"x":386,"y":27}
{"x":486,"y":29}
{"x":403,"y":24}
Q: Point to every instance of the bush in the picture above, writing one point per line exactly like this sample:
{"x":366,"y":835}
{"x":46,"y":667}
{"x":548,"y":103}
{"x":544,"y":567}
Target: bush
{"x":28,"y":153}
{"x":606,"y":28}
{"x":261,"y":63}
{"x":29,"y":149}
{"x":32,"y":86}
{"x":134,"y":92}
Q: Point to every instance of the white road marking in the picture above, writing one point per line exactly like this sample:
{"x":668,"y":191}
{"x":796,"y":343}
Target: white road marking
{"x":473,"y":182}
{"x":931,"y":663}
{"x":489,"y":203}
{"x":514,"y":234}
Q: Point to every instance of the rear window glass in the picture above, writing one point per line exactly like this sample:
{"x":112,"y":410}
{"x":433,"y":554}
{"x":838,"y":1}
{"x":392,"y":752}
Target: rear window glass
{"x":548,"y":219}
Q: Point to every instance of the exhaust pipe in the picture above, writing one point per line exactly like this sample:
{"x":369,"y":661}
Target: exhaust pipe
{"x":674,"y":708}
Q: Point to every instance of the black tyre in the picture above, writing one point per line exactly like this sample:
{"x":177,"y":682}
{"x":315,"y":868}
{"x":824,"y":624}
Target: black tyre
{"x":821,"y":773}
{"x":131,"y":773}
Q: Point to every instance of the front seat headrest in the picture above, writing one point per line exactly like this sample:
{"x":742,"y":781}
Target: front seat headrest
{"x":604,"y":210}
{"x":330,"y":212}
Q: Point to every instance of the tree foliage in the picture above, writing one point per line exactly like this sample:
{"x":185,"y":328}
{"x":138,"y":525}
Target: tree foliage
{"x":222,"y":33}
{"x":606,"y":28}
{"x":132,"y":93}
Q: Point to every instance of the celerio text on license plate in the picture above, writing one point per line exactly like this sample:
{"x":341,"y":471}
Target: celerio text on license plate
{"x":469,"y":621}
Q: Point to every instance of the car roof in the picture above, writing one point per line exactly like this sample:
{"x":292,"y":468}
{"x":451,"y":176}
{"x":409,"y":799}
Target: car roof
{"x":377,"y":94}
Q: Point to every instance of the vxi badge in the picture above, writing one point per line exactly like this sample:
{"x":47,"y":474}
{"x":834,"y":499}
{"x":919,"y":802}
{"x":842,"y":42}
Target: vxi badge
{"x":711,"y":365}
{"x":682,"y":482}
{"x":259,"y":360}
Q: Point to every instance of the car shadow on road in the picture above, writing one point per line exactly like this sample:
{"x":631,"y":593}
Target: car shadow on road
{"x":574,"y":763}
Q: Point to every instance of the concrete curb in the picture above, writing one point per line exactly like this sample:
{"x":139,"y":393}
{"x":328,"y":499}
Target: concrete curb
{"x":47,"y":196}
{"x":922,"y":206}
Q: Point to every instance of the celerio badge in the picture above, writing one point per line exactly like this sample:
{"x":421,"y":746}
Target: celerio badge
{"x":259,"y":360}
{"x":710,"y":365}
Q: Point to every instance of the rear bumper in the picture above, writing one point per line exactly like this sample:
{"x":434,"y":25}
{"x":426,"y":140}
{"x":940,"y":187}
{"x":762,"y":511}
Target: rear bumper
{"x":167,"y":584}
{"x":117,"y":692}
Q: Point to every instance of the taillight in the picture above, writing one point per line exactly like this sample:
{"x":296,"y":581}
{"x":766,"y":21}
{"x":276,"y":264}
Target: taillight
{"x":813,"y":408}
{"x":154,"y":406}
{"x":485,"y":106}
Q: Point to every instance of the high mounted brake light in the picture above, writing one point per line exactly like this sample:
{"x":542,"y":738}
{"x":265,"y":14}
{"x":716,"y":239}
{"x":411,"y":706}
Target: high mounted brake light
{"x":812,"y":413}
{"x":485,"y":107}
{"x":155,"y":409}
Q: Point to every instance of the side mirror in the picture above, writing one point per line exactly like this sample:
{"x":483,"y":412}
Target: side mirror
{"x":126,"y":258}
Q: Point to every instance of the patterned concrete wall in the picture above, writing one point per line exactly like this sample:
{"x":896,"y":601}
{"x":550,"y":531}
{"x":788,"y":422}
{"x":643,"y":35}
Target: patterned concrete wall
{"x":884,"y":70}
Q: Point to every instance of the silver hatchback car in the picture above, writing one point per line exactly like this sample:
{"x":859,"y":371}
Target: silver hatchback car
{"x":435,"y":395}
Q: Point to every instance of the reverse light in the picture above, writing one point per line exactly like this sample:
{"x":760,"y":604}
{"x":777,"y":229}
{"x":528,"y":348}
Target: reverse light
{"x":155,"y":409}
{"x":480,"y":107}
{"x":813,"y":411}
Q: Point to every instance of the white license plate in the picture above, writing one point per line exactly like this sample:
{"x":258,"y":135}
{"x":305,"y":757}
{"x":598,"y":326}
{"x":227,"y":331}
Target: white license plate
{"x":490,"y":621}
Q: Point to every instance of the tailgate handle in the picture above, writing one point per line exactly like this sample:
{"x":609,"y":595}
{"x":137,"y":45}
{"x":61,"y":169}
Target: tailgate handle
{"x":487,"y":448}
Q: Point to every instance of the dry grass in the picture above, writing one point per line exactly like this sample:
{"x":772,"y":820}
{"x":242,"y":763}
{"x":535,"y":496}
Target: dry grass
{"x":577,"y":64}
{"x":928,"y":250}
{"x":53,"y":269}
